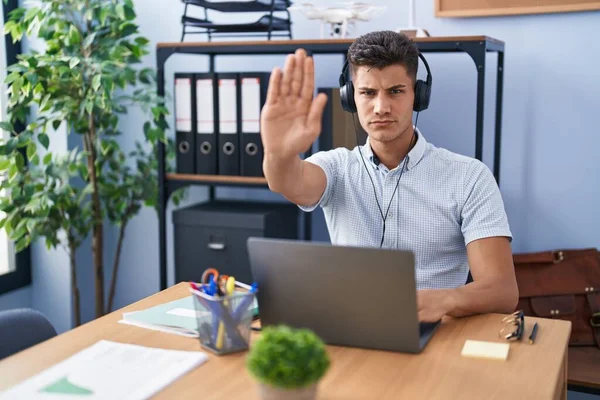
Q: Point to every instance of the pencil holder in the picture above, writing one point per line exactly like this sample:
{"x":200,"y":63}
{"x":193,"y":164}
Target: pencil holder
{"x":224,"y":322}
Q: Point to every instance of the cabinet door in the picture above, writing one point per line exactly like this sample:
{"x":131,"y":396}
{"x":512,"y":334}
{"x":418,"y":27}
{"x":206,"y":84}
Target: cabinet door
{"x":199,"y":248}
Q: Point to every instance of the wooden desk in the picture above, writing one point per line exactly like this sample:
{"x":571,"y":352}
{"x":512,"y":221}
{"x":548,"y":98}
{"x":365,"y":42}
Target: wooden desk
{"x":531,"y":372}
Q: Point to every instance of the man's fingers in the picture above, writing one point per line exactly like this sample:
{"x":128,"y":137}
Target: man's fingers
{"x":308,"y":83}
{"x":298,"y":72}
{"x":288,"y":73}
{"x":274,"y":82}
{"x":315,"y":113}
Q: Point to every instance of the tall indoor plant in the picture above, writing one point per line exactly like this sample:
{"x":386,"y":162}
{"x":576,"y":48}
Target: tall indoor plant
{"x":85,"y":78}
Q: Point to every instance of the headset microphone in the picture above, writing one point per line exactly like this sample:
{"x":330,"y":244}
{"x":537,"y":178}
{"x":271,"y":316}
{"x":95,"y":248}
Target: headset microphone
{"x":421,"y":102}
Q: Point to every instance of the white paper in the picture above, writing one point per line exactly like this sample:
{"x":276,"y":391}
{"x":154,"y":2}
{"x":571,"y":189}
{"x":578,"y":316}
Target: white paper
{"x":205,"y":106}
{"x":183,"y":104}
{"x":184,"y":312}
{"x":109,"y":370}
{"x":250,"y":105}
{"x":227,"y":106}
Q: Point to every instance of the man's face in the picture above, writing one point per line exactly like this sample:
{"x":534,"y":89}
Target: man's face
{"x":384,"y":100}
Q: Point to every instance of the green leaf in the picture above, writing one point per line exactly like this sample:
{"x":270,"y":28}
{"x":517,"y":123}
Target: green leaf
{"x":30,"y":14}
{"x":44,"y":140}
{"x":120,"y":9}
{"x":96,"y":80}
{"x":31,"y":150}
{"x":74,"y":37}
{"x":24,"y":138}
{"x":35,"y":160}
{"x":74,"y":62}
{"x":7,"y":126}
{"x":31,"y":224}
{"x":16,"y":86}
{"x":4,"y":164}
{"x":142,"y":41}
{"x":47,"y":158}
{"x":103,"y":15}
{"x":19,"y":160}
{"x":89,"y":40}
{"x":38,"y":89}
{"x":22,"y":244}
{"x":89,"y":106}
{"x":127,"y":28}
{"x":44,"y":102}
{"x":56,"y":123}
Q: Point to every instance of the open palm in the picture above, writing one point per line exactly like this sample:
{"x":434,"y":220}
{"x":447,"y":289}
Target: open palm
{"x":291,"y":118}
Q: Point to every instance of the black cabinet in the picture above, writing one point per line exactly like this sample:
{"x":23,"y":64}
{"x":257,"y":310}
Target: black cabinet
{"x":214,"y":235}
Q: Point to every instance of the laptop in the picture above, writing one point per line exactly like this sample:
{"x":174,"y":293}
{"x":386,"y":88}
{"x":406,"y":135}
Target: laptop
{"x":349,"y":296}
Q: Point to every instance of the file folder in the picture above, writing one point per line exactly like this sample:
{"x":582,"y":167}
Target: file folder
{"x":206,"y":127}
{"x":253,"y":96}
{"x":184,"y":123}
{"x":337,"y":129}
{"x":228,"y":95}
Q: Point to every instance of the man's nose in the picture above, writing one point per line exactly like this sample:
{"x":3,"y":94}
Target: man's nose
{"x":382,"y":104}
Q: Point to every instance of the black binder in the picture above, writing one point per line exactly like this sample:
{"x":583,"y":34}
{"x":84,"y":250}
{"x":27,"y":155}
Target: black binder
{"x":205,"y":111}
{"x":254,"y":87}
{"x":184,"y":123}
{"x":228,"y":110}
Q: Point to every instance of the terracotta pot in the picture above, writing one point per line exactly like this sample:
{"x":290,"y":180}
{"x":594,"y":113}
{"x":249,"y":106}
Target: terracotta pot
{"x":273,"y":393}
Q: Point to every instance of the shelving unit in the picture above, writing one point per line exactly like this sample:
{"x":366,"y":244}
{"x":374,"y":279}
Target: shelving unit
{"x":268,"y":24}
{"x":475,"y":46}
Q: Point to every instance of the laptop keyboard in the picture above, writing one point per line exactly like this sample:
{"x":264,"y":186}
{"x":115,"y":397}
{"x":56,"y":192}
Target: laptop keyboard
{"x":425,"y":327}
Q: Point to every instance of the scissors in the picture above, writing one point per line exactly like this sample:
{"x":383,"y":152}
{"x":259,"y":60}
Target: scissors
{"x":222,"y":281}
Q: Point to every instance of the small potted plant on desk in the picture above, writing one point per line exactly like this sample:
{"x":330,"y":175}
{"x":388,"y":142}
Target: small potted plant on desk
{"x":287,"y":363}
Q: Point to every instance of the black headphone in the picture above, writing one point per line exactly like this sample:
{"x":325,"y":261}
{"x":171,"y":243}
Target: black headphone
{"x":422,"y":90}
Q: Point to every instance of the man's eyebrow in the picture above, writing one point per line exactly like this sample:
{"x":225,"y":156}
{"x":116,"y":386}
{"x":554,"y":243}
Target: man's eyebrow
{"x":399,"y":86}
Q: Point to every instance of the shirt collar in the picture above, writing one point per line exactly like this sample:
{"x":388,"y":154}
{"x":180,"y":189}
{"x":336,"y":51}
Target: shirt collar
{"x":414,"y":156}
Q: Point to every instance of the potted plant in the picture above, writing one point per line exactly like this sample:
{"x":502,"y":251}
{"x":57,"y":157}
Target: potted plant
{"x":84,"y":79}
{"x":287,"y":363}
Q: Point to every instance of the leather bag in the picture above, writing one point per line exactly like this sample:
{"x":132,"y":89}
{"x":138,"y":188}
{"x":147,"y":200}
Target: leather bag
{"x":562,"y":284}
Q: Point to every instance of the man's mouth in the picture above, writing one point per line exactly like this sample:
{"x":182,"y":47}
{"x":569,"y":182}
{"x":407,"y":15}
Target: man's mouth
{"x":381,"y":122}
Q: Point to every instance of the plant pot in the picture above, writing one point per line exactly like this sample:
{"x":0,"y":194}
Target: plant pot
{"x":273,"y":393}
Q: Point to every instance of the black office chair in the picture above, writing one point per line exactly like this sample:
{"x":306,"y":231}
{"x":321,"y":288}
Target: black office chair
{"x":22,"y":328}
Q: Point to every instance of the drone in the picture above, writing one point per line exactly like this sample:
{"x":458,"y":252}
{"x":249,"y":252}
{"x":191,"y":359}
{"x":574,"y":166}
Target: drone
{"x":342,"y":19}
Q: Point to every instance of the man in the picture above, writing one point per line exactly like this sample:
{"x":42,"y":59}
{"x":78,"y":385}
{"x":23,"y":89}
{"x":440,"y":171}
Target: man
{"x":447,"y":208}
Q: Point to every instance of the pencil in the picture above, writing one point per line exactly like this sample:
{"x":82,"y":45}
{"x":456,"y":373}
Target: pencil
{"x":533,"y":333}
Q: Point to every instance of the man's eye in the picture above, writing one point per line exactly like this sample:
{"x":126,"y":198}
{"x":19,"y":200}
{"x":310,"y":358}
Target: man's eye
{"x":367,"y":93}
{"x":397,"y":91}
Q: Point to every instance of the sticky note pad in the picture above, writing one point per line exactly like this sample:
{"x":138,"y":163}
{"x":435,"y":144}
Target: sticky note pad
{"x":489,"y":350}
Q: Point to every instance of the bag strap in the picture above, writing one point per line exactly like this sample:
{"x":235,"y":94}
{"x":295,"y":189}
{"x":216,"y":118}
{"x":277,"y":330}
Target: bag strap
{"x":543,"y":257}
{"x":594,"y":302}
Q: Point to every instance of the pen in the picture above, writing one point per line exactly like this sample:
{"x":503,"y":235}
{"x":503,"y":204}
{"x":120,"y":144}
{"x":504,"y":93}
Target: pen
{"x":533,"y":333}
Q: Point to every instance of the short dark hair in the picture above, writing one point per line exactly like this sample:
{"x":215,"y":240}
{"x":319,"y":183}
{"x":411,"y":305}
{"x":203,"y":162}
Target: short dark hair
{"x":384,"y":48}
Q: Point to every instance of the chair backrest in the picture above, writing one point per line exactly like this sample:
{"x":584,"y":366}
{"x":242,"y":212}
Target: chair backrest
{"x":22,"y":328}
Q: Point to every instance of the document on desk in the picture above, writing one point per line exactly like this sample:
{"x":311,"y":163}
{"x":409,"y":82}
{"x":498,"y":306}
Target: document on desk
{"x":109,"y":370}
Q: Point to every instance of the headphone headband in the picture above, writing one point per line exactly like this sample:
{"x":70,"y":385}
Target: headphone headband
{"x":342,"y":79}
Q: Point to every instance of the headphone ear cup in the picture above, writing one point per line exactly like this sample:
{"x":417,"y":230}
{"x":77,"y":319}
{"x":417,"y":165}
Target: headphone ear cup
{"x":347,"y":97}
{"x":422,"y":94}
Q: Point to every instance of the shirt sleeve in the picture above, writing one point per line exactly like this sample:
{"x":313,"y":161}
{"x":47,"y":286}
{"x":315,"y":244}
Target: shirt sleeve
{"x":483,"y":214}
{"x":332,"y":163}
